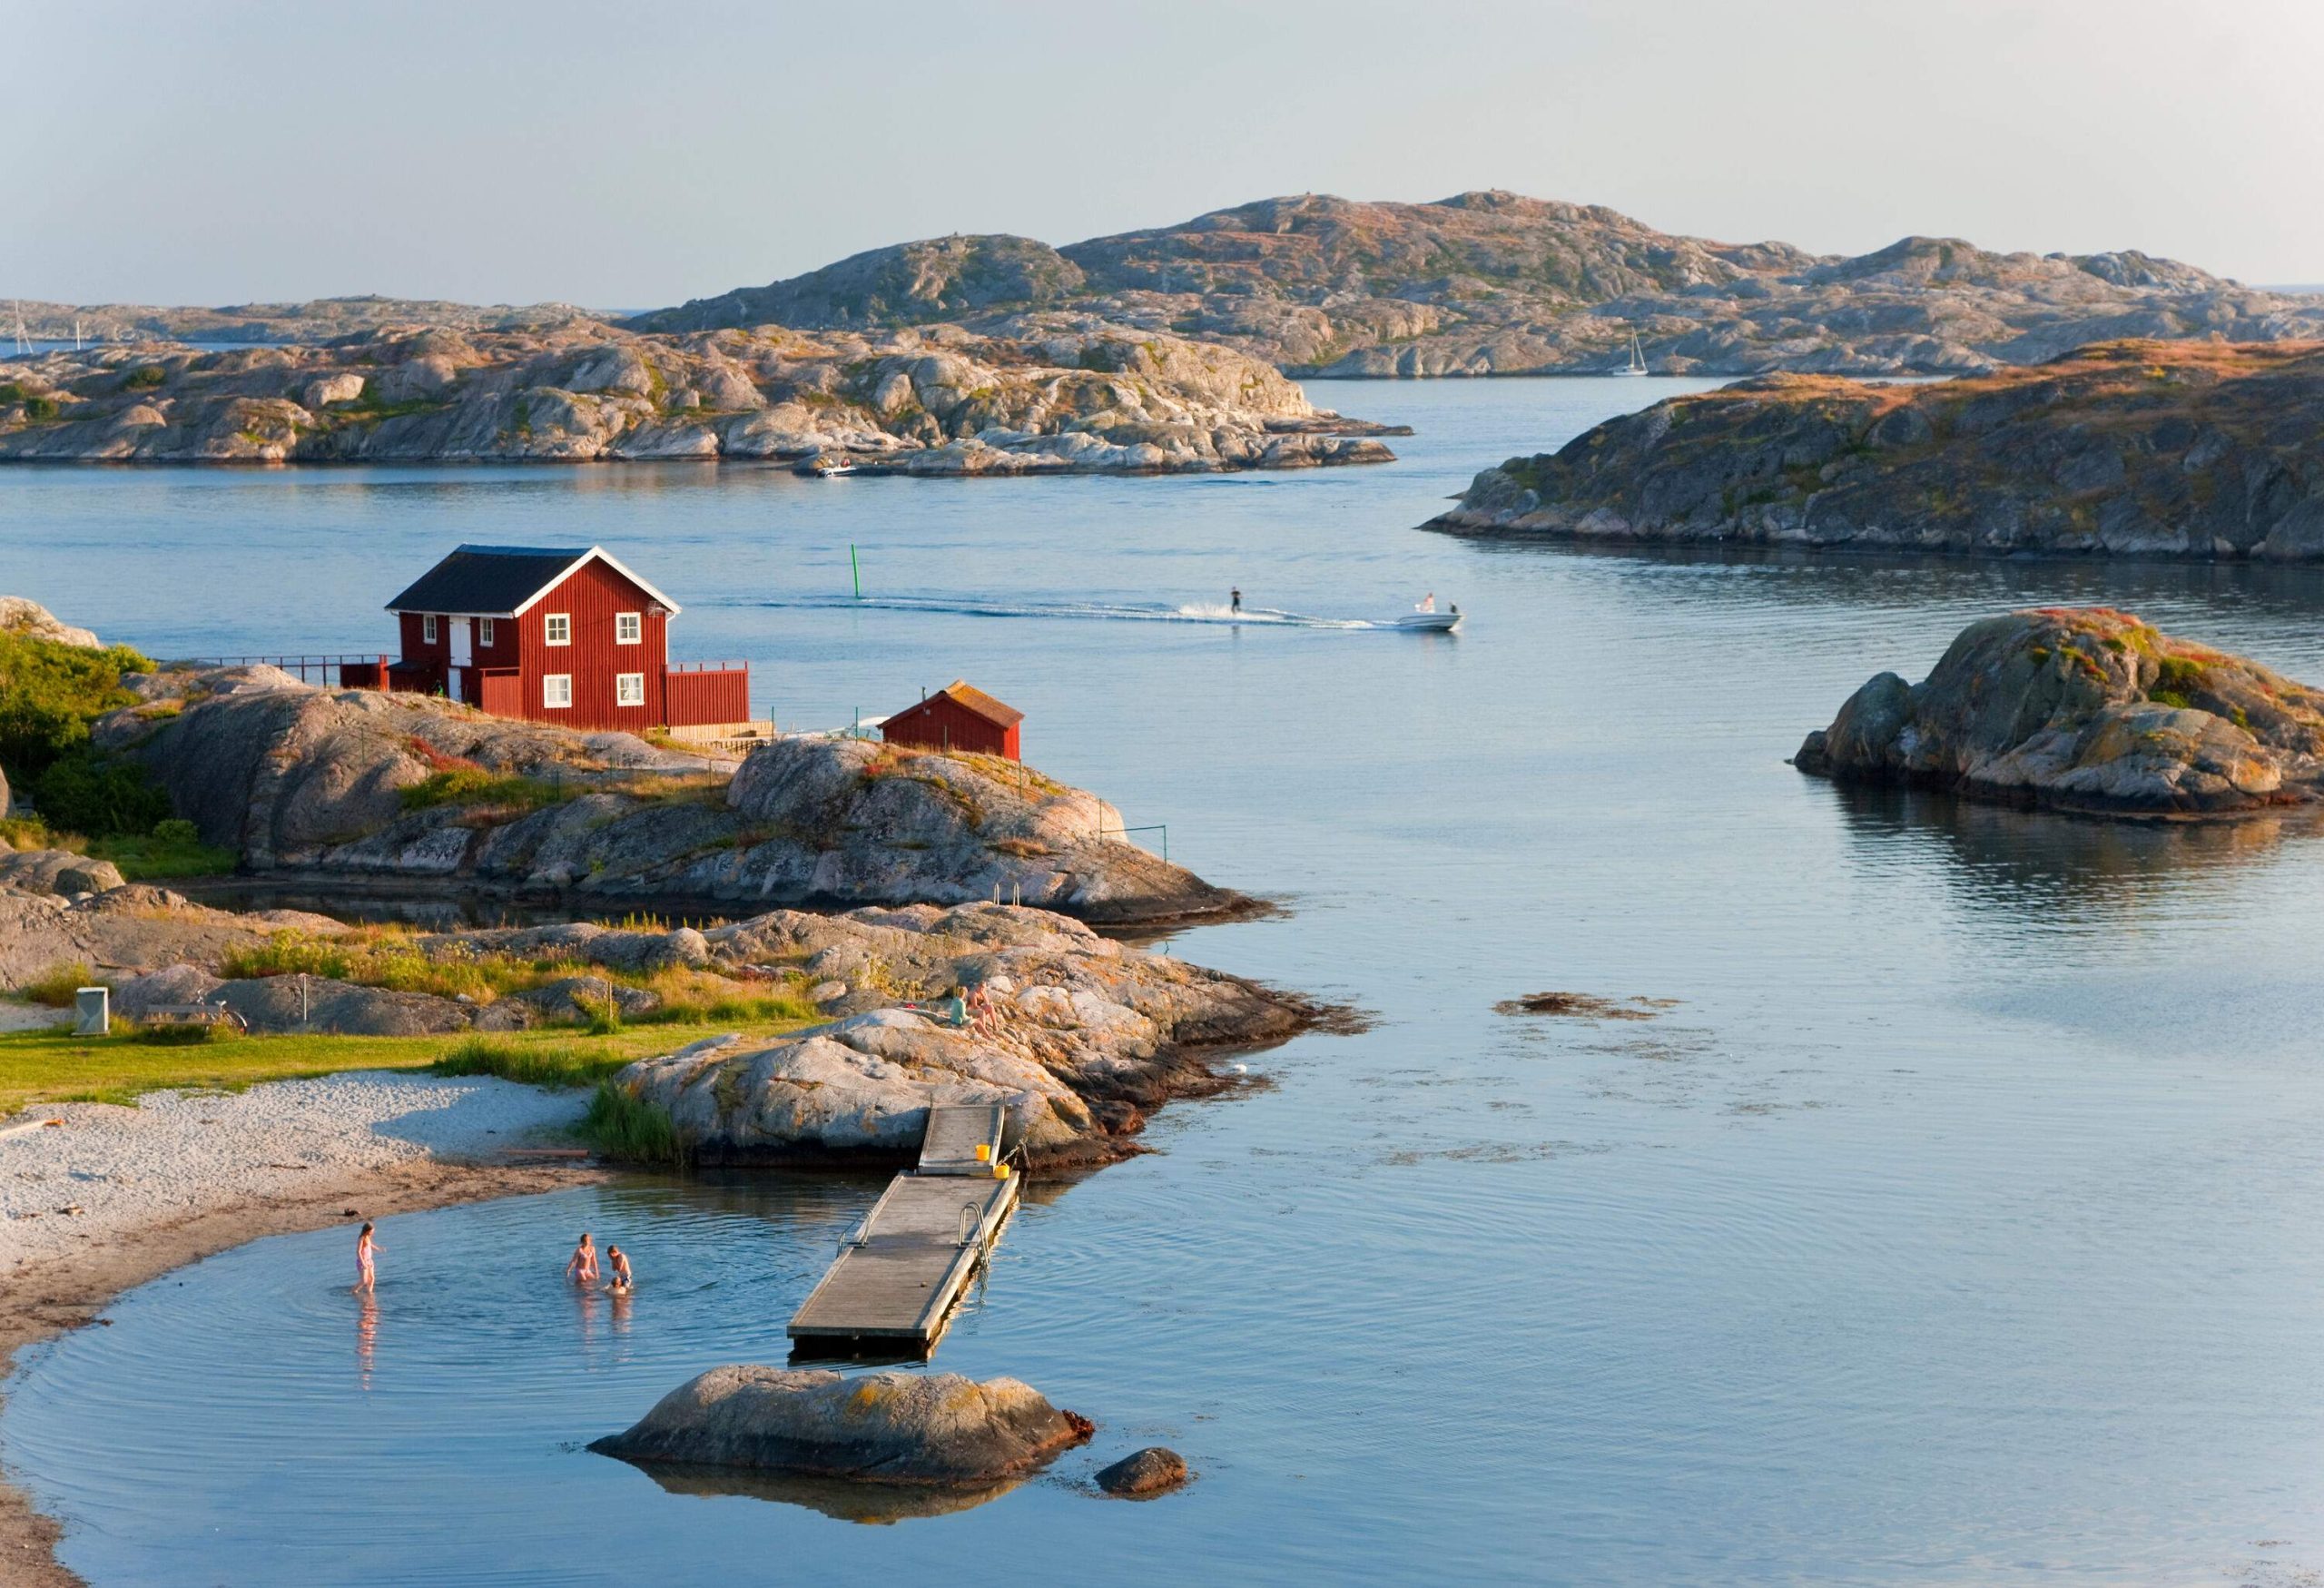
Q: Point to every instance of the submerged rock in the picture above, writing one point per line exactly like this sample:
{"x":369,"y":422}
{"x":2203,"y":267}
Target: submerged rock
{"x":2087,"y":710}
{"x":938,"y":1429}
{"x":1151,"y":1470}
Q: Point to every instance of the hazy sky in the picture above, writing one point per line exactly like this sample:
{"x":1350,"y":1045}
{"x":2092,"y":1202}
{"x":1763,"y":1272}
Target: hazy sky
{"x":631,"y":156}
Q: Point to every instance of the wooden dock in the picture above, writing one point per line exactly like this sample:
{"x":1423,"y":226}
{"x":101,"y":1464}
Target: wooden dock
{"x":898,"y":1276}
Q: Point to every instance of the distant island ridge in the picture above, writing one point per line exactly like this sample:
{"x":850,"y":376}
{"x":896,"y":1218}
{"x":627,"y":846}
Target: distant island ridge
{"x":1482,"y":283}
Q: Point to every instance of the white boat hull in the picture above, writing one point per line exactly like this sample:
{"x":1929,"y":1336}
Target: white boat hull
{"x":1425,"y":622}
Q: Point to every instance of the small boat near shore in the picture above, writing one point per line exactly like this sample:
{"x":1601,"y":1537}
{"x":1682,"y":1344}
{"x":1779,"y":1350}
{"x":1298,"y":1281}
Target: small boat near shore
{"x":1425,"y":622}
{"x":820,"y":468}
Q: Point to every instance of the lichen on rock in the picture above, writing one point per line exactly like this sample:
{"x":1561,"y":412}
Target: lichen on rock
{"x":2084,"y":709}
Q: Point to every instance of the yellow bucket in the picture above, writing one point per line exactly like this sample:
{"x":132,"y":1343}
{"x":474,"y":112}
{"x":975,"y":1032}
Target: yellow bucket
{"x":984,"y":1152}
{"x":1000,"y":1172}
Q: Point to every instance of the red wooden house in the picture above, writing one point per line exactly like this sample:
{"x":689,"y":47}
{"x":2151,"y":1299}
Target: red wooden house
{"x":557,"y":635}
{"x":958,"y":717}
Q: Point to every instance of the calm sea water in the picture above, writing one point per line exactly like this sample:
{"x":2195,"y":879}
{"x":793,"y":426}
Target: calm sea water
{"x":1956,"y":1225}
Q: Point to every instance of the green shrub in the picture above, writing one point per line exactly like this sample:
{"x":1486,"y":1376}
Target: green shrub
{"x":628,"y":1127}
{"x":40,"y":408}
{"x":56,"y":986}
{"x":145,"y":377}
{"x":179,"y":853}
{"x":729,"y":1008}
{"x":600,"y":1016}
{"x":51,"y":693}
{"x":535,"y":1064}
{"x":473,"y":786}
{"x":99,"y":795}
{"x":192,"y":1033}
{"x":11,"y":391}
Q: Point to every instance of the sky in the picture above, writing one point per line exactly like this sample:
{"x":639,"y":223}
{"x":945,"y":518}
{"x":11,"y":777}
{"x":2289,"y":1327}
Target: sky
{"x":634,"y":155}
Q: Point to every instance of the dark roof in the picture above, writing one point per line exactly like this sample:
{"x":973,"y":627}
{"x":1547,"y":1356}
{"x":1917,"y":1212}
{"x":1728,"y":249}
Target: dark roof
{"x":501,"y":581}
{"x":975,"y":701}
{"x":488,"y":580}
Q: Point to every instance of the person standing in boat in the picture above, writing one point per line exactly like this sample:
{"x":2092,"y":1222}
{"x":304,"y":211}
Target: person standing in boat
{"x":1426,"y":603}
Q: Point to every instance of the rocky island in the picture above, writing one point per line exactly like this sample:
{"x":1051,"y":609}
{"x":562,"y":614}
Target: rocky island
{"x":2175,"y":449}
{"x":1482,"y":283}
{"x":1497,"y":284}
{"x":348,"y":788}
{"x":936,"y":1429}
{"x":1061,"y":395}
{"x":2087,"y":710}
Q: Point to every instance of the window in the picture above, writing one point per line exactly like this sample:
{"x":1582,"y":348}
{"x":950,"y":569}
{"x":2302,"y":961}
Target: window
{"x":556,"y":691}
{"x":629,"y":628}
{"x":560,"y":628}
{"x":483,"y":631}
{"x":629,"y":689}
{"x":428,"y":629}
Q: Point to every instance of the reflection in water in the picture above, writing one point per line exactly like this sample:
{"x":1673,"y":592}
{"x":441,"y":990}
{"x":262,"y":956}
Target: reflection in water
{"x":2062,"y":869}
{"x":875,"y":1503}
{"x":366,"y":1337}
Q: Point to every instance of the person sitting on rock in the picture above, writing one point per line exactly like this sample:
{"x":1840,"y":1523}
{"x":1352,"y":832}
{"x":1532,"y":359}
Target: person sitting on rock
{"x":583,"y":1268}
{"x":952,"y":1009}
{"x":984,"y":1014}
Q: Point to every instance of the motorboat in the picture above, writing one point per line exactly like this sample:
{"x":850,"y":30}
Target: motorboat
{"x":1425,"y":622}
{"x":820,"y":468}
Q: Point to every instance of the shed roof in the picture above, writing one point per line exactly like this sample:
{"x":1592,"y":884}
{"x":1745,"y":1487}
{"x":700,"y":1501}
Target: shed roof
{"x":503,"y":581}
{"x":969,"y":697}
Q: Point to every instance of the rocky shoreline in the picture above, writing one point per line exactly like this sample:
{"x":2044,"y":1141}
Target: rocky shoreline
{"x":226,"y":1204}
{"x":313,"y":787}
{"x":2201,"y":451}
{"x":1084,"y":397}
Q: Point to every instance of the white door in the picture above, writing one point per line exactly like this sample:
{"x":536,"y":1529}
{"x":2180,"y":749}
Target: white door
{"x":462,"y":657}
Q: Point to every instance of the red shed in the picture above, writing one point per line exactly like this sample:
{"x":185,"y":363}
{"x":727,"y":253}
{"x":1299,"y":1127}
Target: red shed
{"x":958,"y":717}
{"x":556,"y":635}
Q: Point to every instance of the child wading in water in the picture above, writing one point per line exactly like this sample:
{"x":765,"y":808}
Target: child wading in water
{"x":617,"y":1277}
{"x":364,"y":1249}
{"x":583,"y":1268}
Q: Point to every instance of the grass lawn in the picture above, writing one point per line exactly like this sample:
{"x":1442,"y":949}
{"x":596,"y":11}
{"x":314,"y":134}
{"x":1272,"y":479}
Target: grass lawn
{"x":54,"y":1066}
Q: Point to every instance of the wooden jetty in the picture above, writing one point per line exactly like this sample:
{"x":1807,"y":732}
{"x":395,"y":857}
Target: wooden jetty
{"x":898,"y":1276}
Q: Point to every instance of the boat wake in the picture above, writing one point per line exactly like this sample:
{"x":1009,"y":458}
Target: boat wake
{"x":1085,"y":611}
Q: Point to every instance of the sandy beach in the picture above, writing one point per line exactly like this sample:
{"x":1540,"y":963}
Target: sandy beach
{"x":109,"y":1198}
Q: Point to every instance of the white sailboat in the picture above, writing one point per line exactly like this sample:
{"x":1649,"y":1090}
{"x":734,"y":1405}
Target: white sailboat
{"x":1638,"y":359}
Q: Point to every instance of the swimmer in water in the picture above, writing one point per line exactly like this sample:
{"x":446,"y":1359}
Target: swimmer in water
{"x":617,"y":1275}
{"x":365,"y":1247}
{"x":583,"y":1268}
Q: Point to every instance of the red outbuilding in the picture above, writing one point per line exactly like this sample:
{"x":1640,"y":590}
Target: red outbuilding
{"x":557,"y":635}
{"x":958,"y":717}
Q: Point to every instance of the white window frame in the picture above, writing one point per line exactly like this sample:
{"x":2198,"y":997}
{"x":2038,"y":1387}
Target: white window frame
{"x":559,"y":627}
{"x":629,"y":628}
{"x":483,"y":631}
{"x":428,"y":629}
{"x":629,"y":689}
{"x":556,"y":691}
